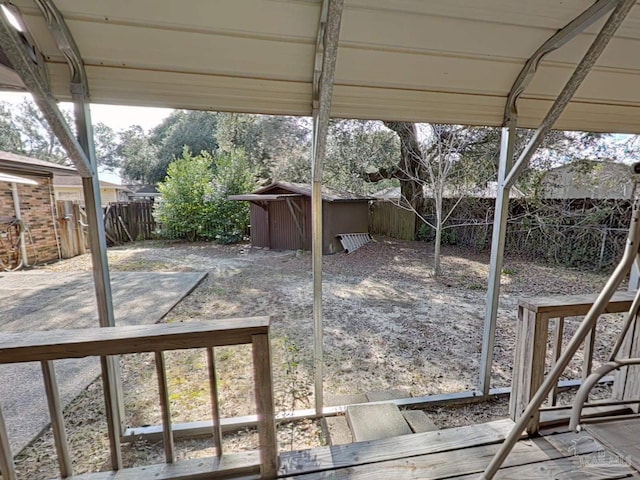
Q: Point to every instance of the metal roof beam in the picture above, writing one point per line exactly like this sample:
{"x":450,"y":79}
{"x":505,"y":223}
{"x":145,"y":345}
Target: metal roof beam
{"x":97,"y":238}
{"x":324,"y":73}
{"x":584,"y":67}
{"x":24,"y":65}
{"x":587,"y":18}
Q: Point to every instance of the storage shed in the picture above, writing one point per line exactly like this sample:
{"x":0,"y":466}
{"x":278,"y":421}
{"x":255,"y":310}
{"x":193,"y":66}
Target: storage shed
{"x":281,"y":216}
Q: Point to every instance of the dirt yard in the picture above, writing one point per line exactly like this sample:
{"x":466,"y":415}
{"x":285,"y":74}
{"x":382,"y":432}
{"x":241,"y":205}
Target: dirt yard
{"x":388,"y":324}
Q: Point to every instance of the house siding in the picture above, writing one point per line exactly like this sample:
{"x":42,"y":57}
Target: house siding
{"x":36,"y":211}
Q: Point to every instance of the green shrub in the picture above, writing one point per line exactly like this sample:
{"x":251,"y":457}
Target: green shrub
{"x":194,"y":201}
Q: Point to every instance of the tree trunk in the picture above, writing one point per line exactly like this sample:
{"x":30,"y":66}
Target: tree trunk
{"x":409,"y":167}
{"x":437,"y":241}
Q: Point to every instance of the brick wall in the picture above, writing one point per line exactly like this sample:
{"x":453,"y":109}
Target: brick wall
{"x":35,"y":206}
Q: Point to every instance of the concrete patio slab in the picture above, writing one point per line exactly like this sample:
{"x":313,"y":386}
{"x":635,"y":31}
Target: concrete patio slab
{"x":47,"y":301}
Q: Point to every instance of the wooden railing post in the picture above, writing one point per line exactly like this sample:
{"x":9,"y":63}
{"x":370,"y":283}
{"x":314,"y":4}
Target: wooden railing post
{"x":528,"y":367}
{"x":7,"y":468}
{"x":215,"y":403}
{"x":264,"y":405}
{"x":57,"y":419}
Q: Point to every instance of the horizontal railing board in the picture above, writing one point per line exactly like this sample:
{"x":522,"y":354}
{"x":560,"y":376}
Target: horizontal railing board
{"x":76,"y":343}
{"x":575,"y":305}
{"x":198,"y":468}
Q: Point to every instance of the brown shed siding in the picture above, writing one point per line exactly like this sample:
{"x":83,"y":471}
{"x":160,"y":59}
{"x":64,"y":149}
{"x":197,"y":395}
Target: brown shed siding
{"x":259,"y":215}
{"x":283,"y":231}
{"x":343,"y":217}
{"x":275,"y":227}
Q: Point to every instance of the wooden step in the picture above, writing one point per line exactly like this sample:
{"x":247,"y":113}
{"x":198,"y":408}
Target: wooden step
{"x":376,"y":421}
{"x":418,"y":421}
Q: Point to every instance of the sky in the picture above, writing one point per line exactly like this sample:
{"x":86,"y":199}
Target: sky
{"x":115,"y":116}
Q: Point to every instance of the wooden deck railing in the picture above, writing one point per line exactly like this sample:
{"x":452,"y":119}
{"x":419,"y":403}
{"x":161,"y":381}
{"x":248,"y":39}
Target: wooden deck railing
{"x":532,"y":337}
{"x":47,"y":346}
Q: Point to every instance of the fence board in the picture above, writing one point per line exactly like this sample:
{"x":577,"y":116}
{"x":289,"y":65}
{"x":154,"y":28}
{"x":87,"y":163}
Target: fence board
{"x":386,"y":218}
{"x":125,"y":222}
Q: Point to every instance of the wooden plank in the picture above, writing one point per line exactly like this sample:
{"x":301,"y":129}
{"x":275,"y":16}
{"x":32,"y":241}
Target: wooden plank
{"x":165,"y":407}
{"x":375,"y":421}
{"x":74,"y":343}
{"x":57,"y":419}
{"x":7,"y":468}
{"x":572,"y":468}
{"x":561,"y":415}
{"x":111,"y":404}
{"x":530,"y":364}
{"x":215,"y":406}
{"x":264,"y":405}
{"x":341,"y":456}
{"x":418,"y":421}
{"x":245,"y":463}
{"x":621,"y":437}
{"x":588,"y":349}
{"x":575,"y":305}
{"x":558,"y":334}
{"x":466,"y":461}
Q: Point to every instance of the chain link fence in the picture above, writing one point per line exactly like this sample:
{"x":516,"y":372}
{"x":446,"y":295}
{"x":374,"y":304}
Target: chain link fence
{"x":584,"y":234}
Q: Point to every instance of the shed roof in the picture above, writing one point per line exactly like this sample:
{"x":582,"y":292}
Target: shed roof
{"x":328,"y":194}
{"x":450,"y":61}
{"x":19,"y":163}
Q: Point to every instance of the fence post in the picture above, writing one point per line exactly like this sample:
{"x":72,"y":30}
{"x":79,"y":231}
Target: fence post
{"x":602,"y":247}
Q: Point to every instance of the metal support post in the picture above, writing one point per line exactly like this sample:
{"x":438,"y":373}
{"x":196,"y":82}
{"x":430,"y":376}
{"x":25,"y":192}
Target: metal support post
{"x":587,"y":18}
{"x":584,"y":67}
{"x":589,"y":321}
{"x":500,"y":216}
{"x":328,"y":35}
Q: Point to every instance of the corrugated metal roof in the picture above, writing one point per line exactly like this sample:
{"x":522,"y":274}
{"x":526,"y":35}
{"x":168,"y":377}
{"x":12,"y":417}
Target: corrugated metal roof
{"x":449,"y":61}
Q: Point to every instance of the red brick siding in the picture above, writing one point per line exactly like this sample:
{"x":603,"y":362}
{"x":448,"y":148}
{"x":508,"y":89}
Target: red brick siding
{"x":35,"y":206}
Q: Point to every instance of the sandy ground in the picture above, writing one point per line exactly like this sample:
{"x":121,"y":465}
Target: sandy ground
{"x":388,"y":324}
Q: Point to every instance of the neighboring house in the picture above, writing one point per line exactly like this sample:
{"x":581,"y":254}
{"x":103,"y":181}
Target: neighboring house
{"x":281,"y":216}
{"x":70,"y":188}
{"x":488,"y":191}
{"x":588,"y":179}
{"x":26,"y":191}
{"x":138,"y":193}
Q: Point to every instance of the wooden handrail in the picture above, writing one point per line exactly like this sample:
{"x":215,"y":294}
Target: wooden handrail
{"x":534,"y":315}
{"x":35,"y":346}
{"x":45,"y":346}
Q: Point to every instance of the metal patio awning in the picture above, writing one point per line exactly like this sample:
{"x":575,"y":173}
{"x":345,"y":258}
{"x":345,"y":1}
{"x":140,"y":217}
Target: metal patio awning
{"x":438,"y":60}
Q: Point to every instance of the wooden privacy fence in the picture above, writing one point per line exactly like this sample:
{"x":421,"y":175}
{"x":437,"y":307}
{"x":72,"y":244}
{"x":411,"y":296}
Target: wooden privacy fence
{"x":49,"y":346}
{"x":128,"y":222}
{"x":386,"y":218}
{"x":72,"y":228}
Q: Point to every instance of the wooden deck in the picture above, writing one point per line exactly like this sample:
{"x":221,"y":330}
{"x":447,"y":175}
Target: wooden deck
{"x":460,"y":453}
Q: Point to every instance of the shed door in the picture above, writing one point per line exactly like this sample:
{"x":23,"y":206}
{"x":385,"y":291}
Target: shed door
{"x":259,"y":225}
{"x":283,"y":231}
